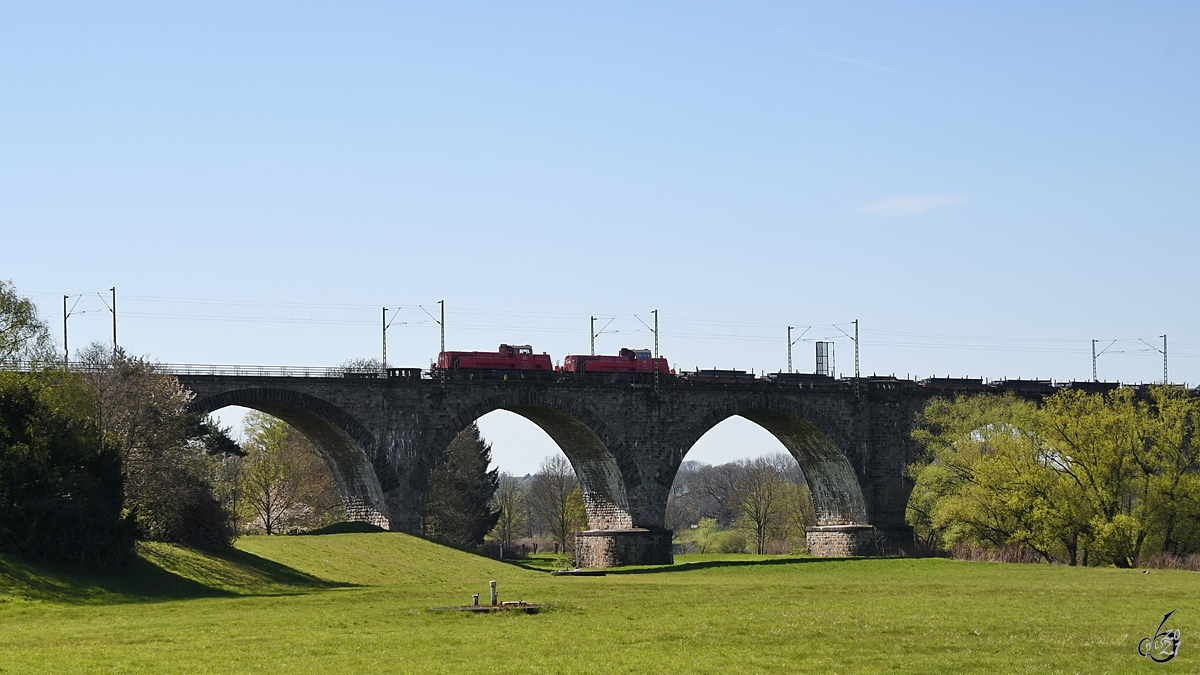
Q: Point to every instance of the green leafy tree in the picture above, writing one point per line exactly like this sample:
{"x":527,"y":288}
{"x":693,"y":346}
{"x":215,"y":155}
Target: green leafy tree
{"x":1170,"y":468}
{"x":24,"y":338}
{"x":283,"y":481}
{"x":60,"y":486}
{"x":1081,"y":479}
{"x":705,"y":535}
{"x":458,"y":504}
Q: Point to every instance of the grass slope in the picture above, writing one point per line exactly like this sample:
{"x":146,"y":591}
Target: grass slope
{"x":355,"y":603}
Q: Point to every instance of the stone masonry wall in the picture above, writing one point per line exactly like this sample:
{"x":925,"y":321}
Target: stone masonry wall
{"x":841,"y":541}
{"x":615,"y":548}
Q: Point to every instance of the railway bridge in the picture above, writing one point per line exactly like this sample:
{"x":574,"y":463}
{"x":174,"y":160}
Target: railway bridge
{"x":383,"y":435}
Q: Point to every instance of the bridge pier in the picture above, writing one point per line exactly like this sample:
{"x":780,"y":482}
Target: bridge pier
{"x":839,"y":541}
{"x":616,"y":548}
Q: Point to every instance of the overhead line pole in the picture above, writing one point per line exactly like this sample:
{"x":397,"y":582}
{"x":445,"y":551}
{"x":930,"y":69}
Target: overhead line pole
{"x":656,"y":351}
{"x":442,"y":324}
{"x":789,"y":349}
{"x":1094,"y":377}
{"x":1164,"y":353}
{"x":592,"y":334}
{"x":66,"y":349}
{"x":856,"y":392}
{"x":792,"y":342}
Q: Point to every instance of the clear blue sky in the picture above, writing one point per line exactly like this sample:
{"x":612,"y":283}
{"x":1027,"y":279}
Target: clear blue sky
{"x":986,"y":186}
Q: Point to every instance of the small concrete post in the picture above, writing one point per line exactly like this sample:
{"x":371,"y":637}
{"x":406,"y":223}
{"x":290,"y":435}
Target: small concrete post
{"x":476,"y":599}
{"x":492,"y":586}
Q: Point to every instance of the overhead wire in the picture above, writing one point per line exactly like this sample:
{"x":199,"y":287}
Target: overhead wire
{"x":738,"y":330}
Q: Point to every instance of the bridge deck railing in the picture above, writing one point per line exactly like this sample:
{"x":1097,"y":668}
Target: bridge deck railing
{"x":238,"y":370}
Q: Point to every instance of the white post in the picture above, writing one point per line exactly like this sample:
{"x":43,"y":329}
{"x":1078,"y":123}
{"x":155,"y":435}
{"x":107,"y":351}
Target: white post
{"x":492,"y":586}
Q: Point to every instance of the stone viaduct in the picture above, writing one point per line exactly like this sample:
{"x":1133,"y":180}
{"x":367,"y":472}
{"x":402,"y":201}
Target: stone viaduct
{"x":382,"y":437}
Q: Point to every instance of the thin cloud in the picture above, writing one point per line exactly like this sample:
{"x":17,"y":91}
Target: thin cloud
{"x":904,"y":206}
{"x":844,"y":59}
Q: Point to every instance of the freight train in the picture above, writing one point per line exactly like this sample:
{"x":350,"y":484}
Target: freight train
{"x":636,"y":364}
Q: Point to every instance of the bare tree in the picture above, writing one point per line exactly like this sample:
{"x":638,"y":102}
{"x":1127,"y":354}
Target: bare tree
{"x":508,"y":500}
{"x":556,"y":501}
{"x":720,"y":484}
{"x":759,"y":494}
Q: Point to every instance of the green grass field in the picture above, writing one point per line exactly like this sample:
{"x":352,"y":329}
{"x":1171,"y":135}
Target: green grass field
{"x":356,"y":603}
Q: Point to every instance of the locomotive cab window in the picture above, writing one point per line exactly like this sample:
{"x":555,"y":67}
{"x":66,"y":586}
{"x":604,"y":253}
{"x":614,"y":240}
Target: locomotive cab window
{"x":524,"y":350}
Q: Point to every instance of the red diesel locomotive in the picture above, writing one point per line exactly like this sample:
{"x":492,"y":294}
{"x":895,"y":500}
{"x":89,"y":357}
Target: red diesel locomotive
{"x":628,"y":361}
{"x":509,"y":357}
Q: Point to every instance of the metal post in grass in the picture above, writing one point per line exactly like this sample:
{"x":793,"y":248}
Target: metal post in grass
{"x":492,"y":586}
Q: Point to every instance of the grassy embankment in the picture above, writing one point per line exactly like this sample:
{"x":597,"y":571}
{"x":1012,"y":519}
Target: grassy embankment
{"x":355,"y":603}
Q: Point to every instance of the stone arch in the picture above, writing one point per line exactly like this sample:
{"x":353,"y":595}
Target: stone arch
{"x":812,"y":439}
{"x":579,"y":434}
{"x":343,"y":441}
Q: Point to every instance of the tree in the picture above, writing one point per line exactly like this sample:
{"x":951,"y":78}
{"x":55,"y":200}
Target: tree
{"x":769,"y":499}
{"x":556,"y":501}
{"x":720,"y":485}
{"x":168,"y":454}
{"x":362,"y":365}
{"x":509,"y":505}
{"x":1170,"y":463}
{"x":458,"y":502}
{"x":24,"y":338}
{"x":985,"y":480}
{"x":1081,"y":478}
{"x":283,"y":481}
{"x":60,"y":486}
{"x":684,"y":502}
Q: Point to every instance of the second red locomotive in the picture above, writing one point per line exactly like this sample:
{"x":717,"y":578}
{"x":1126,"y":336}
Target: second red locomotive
{"x":628,"y":361}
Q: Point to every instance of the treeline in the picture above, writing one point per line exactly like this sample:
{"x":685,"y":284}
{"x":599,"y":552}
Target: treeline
{"x":104,"y":454}
{"x":97,"y":457}
{"x":761,"y":505}
{"x":1077,"y":479}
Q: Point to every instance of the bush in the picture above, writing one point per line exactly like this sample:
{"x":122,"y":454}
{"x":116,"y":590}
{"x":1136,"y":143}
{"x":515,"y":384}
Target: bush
{"x":1170,"y":561}
{"x":60,"y":487}
{"x":730,"y":541}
